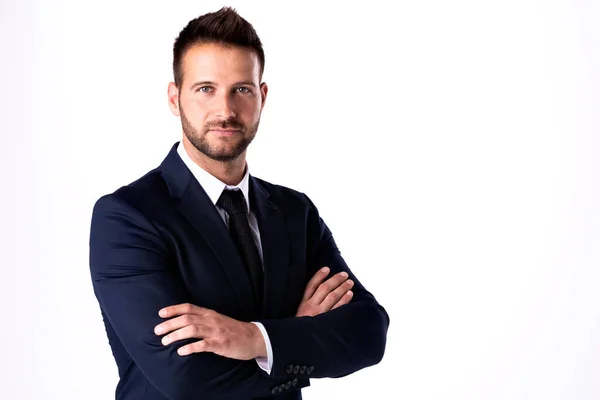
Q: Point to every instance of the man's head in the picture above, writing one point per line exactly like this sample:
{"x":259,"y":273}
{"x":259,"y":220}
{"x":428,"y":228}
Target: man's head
{"x":218,"y":62}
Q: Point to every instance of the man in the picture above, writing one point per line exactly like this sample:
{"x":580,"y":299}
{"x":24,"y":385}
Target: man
{"x":214,"y":284}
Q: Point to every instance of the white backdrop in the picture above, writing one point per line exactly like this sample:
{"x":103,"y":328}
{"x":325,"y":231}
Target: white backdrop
{"x":452,"y":148}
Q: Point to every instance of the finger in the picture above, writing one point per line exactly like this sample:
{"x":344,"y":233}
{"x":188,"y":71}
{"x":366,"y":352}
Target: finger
{"x":332,"y":298}
{"x":314,"y":283}
{"x":181,"y":309}
{"x":200,"y":346}
{"x":344,"y":300}
{"x":177,"y":323}
{"x":187,"y":332}
{"x":328,"y":286}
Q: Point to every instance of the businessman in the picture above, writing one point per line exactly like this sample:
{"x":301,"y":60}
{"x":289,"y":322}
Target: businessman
{"x":212,"y":283}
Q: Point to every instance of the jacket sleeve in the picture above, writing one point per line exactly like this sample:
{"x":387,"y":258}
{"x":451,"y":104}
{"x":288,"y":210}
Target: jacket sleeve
{"x":335,"y":343}
{"x":133,"y":278}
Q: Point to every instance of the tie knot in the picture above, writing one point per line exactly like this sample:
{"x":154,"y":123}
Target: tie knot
{"x":232,"y":201}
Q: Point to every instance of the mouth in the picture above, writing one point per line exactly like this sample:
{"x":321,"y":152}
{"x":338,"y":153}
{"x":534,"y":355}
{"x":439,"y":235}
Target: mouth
{"x":225,"y":132}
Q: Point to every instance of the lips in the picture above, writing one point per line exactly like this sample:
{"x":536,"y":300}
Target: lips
{"x":225,"y":132}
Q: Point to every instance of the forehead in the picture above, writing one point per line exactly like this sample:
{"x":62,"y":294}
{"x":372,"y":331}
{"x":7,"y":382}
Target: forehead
{"x":219,"y":63}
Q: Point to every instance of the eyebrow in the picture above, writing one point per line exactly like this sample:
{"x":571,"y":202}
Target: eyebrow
{"x":210,"y":83}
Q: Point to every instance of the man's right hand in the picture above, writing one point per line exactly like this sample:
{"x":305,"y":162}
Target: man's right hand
{"x":320,"y":297}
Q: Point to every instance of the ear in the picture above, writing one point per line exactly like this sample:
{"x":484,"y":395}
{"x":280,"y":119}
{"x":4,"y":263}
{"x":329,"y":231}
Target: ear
{"x":173,"y":96}
{"x":263,"y":94}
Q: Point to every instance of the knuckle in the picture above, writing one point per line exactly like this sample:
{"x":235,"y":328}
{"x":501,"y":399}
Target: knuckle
{"x":226,"y":342}
{"x":331,"y":296}
{"x":310,"y":310}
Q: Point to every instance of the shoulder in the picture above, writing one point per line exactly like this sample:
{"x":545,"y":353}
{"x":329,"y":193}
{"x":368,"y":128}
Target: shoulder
{"x":143,"y":194}
{"x":293,"y":203}
{"x":282,"y":195}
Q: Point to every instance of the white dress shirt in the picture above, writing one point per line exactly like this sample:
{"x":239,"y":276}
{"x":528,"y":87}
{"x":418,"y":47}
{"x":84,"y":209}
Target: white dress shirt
{"x":213,"y":188}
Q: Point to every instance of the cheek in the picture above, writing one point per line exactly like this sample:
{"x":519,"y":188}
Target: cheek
{"x":195,"y":111}
{"x":250,"y":109}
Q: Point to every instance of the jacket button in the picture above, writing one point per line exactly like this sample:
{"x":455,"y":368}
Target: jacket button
{"x":282,"y":387}
{"x":289,"y":369}
{"x":296,"y":369}
{"x":275,"y":390}
{"x":310,"y":369}
{"x":303,"y":369}
{"x":288,"y":385}
{"x":294,"y":382}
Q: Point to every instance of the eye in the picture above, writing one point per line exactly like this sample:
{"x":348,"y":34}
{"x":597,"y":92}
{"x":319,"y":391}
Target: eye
{"x":204,"y":89}
{"x":243,"y":90}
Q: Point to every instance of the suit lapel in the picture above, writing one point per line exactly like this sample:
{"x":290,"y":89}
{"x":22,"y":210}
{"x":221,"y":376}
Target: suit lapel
{"x":197,"y":208}
{"x":202,"y":214}
{"x":275,"y":246}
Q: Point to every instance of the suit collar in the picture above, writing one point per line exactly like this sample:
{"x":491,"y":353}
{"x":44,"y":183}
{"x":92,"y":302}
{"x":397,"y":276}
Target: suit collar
{"x":211,"y":184}
{"x":175,"y":173}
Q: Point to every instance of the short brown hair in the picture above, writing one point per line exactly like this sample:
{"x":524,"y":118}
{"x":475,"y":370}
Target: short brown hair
{"x":225,"y":27}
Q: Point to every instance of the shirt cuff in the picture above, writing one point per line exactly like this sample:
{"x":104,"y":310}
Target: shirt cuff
{"x":265,"y":363}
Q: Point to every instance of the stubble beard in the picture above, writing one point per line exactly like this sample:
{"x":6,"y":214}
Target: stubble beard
{"x":198,"y":138}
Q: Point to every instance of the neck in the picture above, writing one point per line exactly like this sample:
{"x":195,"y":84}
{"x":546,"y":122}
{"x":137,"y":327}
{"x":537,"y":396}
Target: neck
{"x":228,"y":172}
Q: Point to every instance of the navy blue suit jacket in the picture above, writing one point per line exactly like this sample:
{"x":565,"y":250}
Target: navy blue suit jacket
{"x":159,"y":241}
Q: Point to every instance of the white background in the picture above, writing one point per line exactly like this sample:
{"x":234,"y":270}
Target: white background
{"x":451,"y":146}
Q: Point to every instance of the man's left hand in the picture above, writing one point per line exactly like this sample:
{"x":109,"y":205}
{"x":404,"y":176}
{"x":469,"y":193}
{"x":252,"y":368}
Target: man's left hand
{"x":221,"y":335}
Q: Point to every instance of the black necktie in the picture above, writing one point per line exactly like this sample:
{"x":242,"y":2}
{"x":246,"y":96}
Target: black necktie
{"x":234,"y":203}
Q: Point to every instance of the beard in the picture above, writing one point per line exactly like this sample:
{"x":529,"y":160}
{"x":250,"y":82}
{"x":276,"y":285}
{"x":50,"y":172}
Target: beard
{"x":220,"y":149}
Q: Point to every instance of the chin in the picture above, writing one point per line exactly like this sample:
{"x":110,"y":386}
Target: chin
{"x":225,"y":154}
{"x":223,"y":157}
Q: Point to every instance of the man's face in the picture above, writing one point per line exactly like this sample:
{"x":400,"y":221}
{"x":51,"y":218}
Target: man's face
{"x":220,"y":99}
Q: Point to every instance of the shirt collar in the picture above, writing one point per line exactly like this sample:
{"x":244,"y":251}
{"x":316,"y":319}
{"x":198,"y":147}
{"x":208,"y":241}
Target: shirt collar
{"x":212,"y":185}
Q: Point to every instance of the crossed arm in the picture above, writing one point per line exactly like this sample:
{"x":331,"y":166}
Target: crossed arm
{"x":133,"y":281}
{"x":240,"y":340}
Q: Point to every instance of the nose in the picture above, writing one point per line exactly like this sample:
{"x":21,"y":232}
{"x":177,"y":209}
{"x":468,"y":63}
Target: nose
{"x":225,"y":107}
